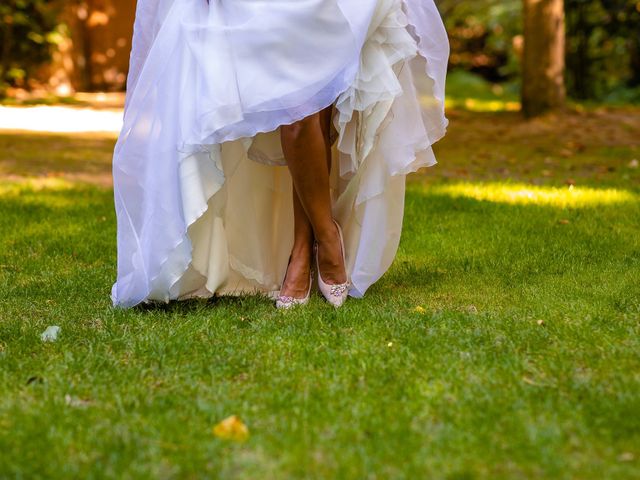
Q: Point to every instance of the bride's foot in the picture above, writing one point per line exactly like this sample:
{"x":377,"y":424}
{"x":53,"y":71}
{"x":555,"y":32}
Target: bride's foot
{"x":296,"y":286}
{"x":333,"y":280}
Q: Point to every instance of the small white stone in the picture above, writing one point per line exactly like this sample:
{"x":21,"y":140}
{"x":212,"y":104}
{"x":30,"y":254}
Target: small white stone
{"x":76,"y":402}
{"x":50,"y":334}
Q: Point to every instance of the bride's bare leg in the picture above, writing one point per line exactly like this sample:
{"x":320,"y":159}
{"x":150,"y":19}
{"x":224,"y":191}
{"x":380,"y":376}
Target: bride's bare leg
{"x":296,"y":283}
{"x":325,"y":122}
{"x":306,"y":150}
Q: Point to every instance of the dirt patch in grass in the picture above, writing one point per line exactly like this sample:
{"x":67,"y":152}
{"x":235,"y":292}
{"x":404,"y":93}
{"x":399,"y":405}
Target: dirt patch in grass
{"x":77,"y":157}
{"x":591,"y":147}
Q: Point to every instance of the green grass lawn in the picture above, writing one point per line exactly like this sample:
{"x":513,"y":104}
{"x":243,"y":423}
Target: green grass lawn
{"x":522,"y":248}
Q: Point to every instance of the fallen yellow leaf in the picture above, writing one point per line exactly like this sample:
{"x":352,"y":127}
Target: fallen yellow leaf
{"x":232,"y":428}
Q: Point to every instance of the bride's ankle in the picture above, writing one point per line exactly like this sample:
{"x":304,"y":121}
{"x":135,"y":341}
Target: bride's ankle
{"x":302,"y":251}
{"x":328,"y":235}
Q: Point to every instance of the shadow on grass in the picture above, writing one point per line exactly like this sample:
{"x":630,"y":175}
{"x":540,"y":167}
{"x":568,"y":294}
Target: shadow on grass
{"x":239,"y":303}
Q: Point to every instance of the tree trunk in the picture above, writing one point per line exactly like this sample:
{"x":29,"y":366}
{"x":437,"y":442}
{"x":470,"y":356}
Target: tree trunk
{"x":543,"y":64}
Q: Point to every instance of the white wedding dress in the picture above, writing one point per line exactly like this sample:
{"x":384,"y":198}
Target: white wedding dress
{"x":202,"y":193}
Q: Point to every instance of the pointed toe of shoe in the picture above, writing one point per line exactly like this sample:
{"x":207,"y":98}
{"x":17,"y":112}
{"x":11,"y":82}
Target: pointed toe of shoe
{"x":334,"y":294}
{"x":337,"y":302}
{"x":285,"y":303}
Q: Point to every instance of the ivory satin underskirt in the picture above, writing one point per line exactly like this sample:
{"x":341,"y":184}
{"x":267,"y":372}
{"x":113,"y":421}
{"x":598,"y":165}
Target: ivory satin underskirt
{"x":202,"y":193}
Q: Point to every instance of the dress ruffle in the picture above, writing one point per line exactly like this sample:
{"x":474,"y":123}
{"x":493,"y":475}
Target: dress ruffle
{"x":202,"y":192}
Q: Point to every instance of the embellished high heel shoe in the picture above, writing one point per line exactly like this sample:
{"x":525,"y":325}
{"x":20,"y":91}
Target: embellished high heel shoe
{"x":335,"y":294}
{"x":285,"y":301}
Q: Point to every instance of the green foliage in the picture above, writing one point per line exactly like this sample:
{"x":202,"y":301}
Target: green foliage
{"x":603,"y":44}
{"x":603,"y":49}
{"x":28,"y":29}
{"x":466,"y":90}
{"x":482,"y":36}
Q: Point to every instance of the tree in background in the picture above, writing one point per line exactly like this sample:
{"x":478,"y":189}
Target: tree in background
{"x":59,"y":46}
{"x":543,"y":62}
{"x":84,"y":44}
{"x":602,"y":45}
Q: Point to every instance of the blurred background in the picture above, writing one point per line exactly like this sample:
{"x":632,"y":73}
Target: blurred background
{"x":541,"y":91}
{"x":53,"y":49}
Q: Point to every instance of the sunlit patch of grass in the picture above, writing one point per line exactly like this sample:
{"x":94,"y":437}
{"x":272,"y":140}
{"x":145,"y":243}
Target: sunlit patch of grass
{"x":481,"y":105}
{"x":523,"y":194}
{"x":34,"y":184}
{"x":467,"y":91}
{"x":51,"y":193}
